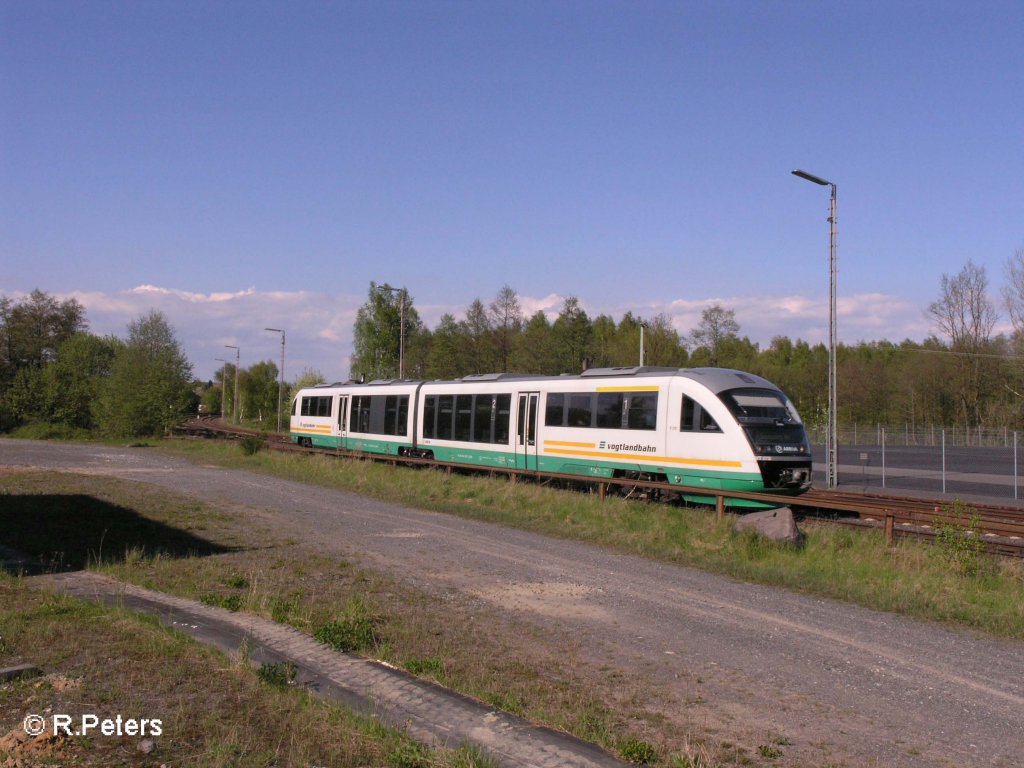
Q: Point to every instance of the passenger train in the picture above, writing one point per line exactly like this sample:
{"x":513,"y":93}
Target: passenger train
{"x":711,"y":428}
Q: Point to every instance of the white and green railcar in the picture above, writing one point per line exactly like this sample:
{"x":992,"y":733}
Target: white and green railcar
{"x":709,"y":428}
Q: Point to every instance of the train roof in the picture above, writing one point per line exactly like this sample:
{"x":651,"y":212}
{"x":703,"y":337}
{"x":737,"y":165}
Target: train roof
{"x":715,"y":379}
{"x":721,"y":379}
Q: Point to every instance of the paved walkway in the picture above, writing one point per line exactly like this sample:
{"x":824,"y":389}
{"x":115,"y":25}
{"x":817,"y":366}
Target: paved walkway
{"x":427,"y":712}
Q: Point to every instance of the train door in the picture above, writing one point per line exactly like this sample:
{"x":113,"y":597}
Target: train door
{"x":342,"y":421}
{"x":526,"y":431}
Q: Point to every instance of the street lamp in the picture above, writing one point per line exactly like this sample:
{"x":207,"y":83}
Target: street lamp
{"x":643,"y":326}
{"x":401,"y":326}
{"x":223,"y":385}
{"x":831,"y":434}
{"x":238,"y":358}
{"x":280,"y":384}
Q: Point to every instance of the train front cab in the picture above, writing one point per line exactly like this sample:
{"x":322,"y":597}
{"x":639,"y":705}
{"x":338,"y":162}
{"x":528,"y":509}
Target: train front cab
{"x":776,"y":435}
{"x":313,"y":418}
{"x":742,"y":430}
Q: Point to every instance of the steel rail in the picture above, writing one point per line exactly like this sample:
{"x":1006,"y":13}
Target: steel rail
{"x":1001,"y":529}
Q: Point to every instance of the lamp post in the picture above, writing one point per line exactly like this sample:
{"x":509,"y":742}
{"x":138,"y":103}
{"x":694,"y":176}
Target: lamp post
{"x":238,"y":358}
{"x":643,"y":327}
{"x":401,"y":326}
{"x":223,"y":385}
{"x":831,"y":434}
{"x":280,"y":383}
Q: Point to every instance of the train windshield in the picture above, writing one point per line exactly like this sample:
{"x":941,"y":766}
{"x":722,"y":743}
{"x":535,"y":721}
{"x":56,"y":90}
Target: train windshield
{"x":771,"y":422}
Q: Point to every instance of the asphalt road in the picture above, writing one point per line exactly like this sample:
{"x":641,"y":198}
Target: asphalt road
{"x":983,"y":474}
{"x":838,"y":684}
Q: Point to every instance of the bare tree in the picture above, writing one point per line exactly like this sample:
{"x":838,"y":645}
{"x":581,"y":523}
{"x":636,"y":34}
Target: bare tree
{"x":964,"y":313}
{"x":1013,"y":291}
{"x":507,"y":321}
{"x":966,"y":316}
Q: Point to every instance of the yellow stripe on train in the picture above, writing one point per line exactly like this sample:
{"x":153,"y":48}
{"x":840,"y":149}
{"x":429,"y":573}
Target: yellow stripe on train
{"x":647,"y":458}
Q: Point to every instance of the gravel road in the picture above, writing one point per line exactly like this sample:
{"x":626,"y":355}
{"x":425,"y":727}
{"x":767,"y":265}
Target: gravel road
{"x":836,"y":684}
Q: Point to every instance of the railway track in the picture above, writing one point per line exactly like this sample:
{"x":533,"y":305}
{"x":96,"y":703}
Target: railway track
{"x":1000,"y":529}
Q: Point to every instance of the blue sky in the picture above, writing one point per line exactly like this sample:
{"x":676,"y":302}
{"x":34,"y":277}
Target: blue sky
{"x":242,"y":165}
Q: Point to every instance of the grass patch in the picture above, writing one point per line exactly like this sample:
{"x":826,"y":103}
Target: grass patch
{"x":914,"y":579}
{"x":351,"y":632}
{"x":230,"y":602}
{"x":41,"y":430}
{"x":214,"y":711}
{"x":471,"y":648}
{"x":479,"y":650}
{"x":279,"y":675}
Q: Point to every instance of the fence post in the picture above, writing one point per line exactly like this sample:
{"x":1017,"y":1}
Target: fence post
{"x":602,"y":490}
{"x":944,"y":456}
{"x":1015,"y":464}
{"x":890,"y":528}
{"x":720,"y":506}
{"x":883,"y":457}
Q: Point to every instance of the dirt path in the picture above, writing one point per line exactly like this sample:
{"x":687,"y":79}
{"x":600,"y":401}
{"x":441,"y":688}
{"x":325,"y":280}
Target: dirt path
{"x":835,"y":684}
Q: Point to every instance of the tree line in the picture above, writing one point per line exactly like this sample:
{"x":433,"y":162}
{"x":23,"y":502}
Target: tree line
{"x":961,"y":374}
{"x":53,"y":371}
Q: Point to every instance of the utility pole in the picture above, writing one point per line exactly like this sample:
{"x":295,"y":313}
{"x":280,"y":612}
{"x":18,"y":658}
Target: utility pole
{"x":832,"y":431}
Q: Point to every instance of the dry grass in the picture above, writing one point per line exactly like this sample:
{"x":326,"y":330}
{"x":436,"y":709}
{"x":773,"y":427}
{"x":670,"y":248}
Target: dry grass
{"x":213,"y":711}
{"x":464,"y":643}
{"x":855,"y":566}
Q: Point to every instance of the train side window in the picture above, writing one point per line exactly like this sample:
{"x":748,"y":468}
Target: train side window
{"x":316,"y":406}
{"x":360,"y":413}
{"x":463,"y":417}
{"x":483,"y":415}
{"x":696,"y":419}
{"x":610,"y":410}
{"x":396,"y":414}
{"x":445,"y":416}
{"x":403,"y":415}
{"x":554,"y":411}
{"x":429,"y":417}
{"x":356,"y":408}
{"x":503,"y":410}
{"x":642,"y":410}
{"x":580,"y":410}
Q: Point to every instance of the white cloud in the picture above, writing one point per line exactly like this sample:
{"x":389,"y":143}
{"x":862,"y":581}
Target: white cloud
{"x":319,"y":325}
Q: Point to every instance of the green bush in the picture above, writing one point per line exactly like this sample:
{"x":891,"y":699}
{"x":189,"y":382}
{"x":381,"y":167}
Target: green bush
{"x":252,"y":444}
{"x":959,"y":541}
{"x":634,"y":750}
{"x":349,"y":634}
{"x":409,"y":756}
{"x":279,"y":675}
{"x":230,"y":602}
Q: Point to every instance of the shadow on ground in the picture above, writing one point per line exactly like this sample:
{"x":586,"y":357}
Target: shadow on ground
{"x":68,"y":532}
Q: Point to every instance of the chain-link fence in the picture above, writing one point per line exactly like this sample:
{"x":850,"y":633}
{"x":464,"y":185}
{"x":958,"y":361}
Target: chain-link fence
{"x":929,"y":436}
